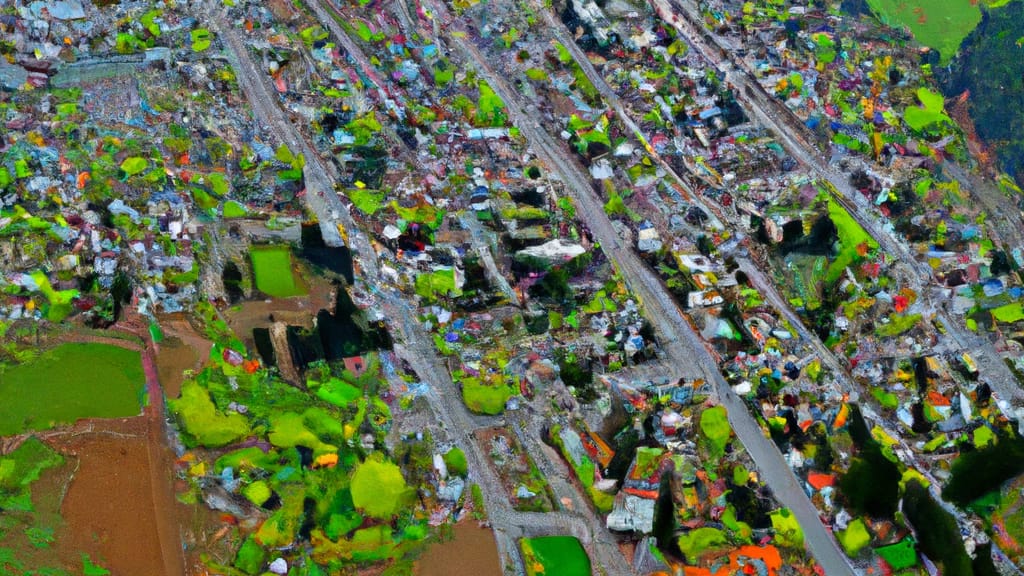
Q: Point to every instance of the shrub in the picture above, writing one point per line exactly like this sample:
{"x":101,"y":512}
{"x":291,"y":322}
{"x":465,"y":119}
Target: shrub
{"x":378,"y":488}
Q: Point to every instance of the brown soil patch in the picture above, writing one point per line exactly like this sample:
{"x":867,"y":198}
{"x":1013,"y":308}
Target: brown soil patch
{"x":294,"y":311}
{"x":472,"y":552}
{"x":119,"y":507}
{"x":182,"y":349}
{"x":171,"y":362}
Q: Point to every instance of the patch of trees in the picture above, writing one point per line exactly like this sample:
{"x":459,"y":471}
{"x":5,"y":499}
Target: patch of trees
{"x":872,"y":483}
{"x":938,"y":535}
{"x":980,"y":471}
{"x":990,"y":66}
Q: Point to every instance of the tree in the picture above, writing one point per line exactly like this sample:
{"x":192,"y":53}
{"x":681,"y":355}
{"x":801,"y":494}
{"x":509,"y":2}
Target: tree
{"x":939,"y":535}
{"x":379,"y":489}
{"x":871,"y":485}
{"x":665,"y":517}
{"x":555,"y":285}
{"x":121,"y":291}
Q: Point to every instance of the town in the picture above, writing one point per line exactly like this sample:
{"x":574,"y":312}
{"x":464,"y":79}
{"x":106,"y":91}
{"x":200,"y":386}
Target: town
{"x":453,"y":287}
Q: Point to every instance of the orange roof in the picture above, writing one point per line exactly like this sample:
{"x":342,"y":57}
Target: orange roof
{"x":820,"y":481}
{"x":767,"y":554}
{"x":844,"y":413}
{"x":936,"y":399}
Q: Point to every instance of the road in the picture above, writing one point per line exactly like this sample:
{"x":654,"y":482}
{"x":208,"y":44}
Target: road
{"x":557,"y":29}
{"x":483,"y":248}
{"x":354,"y":52}
{"x":680,"y":342}
{"x":1001,"y":213}
{"x":792,"y":135}
{"x":415,"y":343}
{"x":358,"y":57}
{"x":264,"y":101}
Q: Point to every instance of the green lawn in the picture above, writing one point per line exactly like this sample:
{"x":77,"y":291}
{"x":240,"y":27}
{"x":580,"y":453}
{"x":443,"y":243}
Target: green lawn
{"x":69,"y":382}
{"x":1009,"y":313}
{"x":938,"y":24}
{"x":272,"y":267}
{"x":561,"y":555}
{"x":851,"y":235}
{"x":368,"y":202}
{"x":931,"y":111}
{"x":431,"y":285}
{"x":485,"y":399}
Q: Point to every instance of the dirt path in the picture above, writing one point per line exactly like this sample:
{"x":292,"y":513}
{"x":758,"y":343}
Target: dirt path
{"x":173,"y":359}
{"x":161,"y":469}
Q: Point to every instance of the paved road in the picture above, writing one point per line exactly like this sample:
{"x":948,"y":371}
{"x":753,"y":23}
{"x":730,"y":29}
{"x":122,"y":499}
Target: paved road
{"x":415,"y":344}
{"x":365,"y":67}
{"x":557,"y":29}
{"x":264,"y":102}
{"x":330,"y":211}
{"x":680,"y":342}
{"x":482,"y":245}
{"x":352,"y":49}
{"x":1001,"y":213}
{"x":792,"y":134}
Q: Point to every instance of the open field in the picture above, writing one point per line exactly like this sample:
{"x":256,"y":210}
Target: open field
{"x":939,"y":24}
{"x":273,"y":268}
{"x":69,"y":382}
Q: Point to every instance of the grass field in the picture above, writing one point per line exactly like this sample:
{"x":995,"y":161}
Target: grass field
{"x":69,"y":382}
{"x":939,"y":24}
{"x":272,"y":267}
{"x":549,"y":555}
{"x":851,"y":235}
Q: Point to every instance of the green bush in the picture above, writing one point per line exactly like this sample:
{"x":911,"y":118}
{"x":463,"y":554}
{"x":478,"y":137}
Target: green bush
{"x":204,"y":425}
{"x":476,"y":494}
{"x":854,"y":538}
{"x":714,"y":425}
{"x":697,"y":542}
{"x":787,"y":529}
{"x":250,"y":557}
{"x":258,"y":492}
{"x":379,"y":489}
{"x":483,"y":398}
{"x":455,"y":460}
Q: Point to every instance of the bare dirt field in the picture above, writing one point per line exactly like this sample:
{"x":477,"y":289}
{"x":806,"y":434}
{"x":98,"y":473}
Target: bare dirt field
{"x":472,"y":552}
{"x":110,"y":510}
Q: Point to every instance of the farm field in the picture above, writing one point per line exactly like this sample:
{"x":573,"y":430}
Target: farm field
{"x":59,"y":387}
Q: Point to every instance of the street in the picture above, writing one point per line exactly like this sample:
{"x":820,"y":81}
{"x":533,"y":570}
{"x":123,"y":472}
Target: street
{"x":773,"y":114}
{"x":679,"y":341}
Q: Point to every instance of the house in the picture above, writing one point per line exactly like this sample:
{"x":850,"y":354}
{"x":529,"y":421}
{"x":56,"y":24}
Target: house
{"x":356,"y":365}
